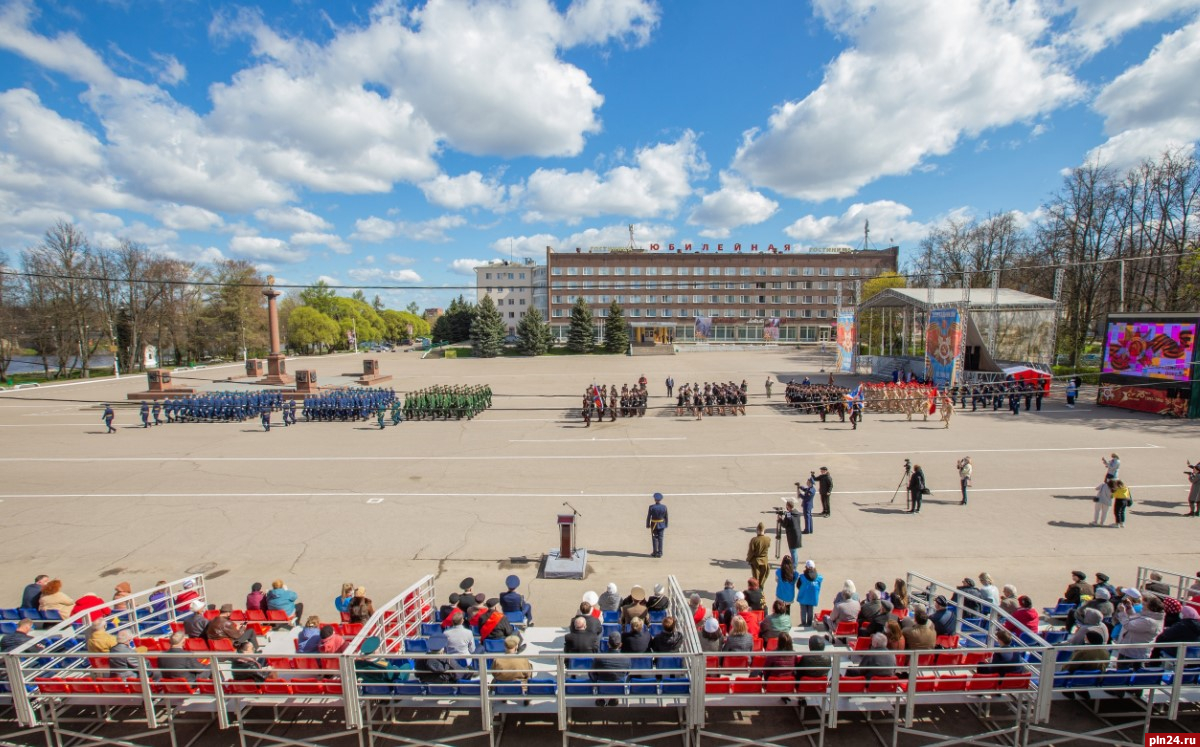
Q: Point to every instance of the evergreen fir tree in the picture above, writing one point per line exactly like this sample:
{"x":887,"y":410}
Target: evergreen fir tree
{"x":616,"y":335}
{"x":487,"y":330}
{"x":533,"y":334}
{"x":580,"y":336}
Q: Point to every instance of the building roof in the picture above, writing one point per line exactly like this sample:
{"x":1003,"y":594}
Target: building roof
{"x":980,"y":298}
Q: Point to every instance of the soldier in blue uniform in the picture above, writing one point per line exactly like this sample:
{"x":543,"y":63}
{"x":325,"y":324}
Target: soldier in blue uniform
{"x":512,"y":601}
{"x":656,"y":522}
{"x":108,"y":418}
{"x":265,"y":416}
{"x":805,"y":493}
{"x":145,"y":414}
{"x":157,"y":410}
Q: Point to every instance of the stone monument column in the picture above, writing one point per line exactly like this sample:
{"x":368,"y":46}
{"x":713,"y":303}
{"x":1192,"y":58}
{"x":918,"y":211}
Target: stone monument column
{"x":276,"y":360}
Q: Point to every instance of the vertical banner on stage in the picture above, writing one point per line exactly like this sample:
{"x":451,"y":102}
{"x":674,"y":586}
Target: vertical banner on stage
{"x":771,"y":329}
{"x":846,"y":340}
{"x":943,"y":345}
{"x":704,"y":326}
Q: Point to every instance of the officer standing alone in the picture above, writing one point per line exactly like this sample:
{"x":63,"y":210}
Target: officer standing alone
{"x":825,"y":488}
{"x":656,"y":522}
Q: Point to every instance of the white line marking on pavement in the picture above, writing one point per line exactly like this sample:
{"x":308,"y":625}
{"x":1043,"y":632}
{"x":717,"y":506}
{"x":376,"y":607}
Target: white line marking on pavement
{"x":53,"y":425}
{"x":589,"y":440}
{"x":380,"y":496}
{"x":518,"y":457}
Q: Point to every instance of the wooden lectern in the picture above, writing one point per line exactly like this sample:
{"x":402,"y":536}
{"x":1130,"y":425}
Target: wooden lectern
{"x":566,"y":535}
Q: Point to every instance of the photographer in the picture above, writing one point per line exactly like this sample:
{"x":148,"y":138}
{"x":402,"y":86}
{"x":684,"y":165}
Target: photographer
{"x":789,"y":519}
{"x":1194,"y":494}
{"x":964,"y":476}
{"x":916,"y":488}
{"x":805,"y":494}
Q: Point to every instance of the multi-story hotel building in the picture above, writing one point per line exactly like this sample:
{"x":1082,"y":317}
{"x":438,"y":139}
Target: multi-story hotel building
{"x":729,"y":295}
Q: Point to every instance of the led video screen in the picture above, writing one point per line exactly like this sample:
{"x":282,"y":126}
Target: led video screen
{"x":1149,"y":349}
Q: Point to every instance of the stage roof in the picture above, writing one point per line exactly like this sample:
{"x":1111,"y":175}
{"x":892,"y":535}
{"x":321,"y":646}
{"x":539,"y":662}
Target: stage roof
{"x":980,"y":299}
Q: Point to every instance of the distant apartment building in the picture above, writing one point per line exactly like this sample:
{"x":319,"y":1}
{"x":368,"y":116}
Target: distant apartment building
{"x":513,"y":286}
{"x":734,"y":293}
{"x":431,"y":315}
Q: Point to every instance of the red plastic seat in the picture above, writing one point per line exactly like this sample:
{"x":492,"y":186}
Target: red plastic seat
{"x":984,"y":682}
{"x":757,"y":645}
{"x":862,"y":643}
{"x":238,"y":616}
{"x":952,"y":682}
{"x":195,"y":644}
{"x":175,"y":627}
{"x":781,"y":683}
{"x":281,"y":663}
{"x":333,"y":687}
{"x":735,"y":662}
{"x":205,"y":686}
{"x":276,"y":687}
{"x":885,"y":685}
{"x":277,"y":616}
{"x":823,"y":614}
{"x":948,"y":660}
{"x":715,"y":686}
{"x":114,"y":685}
{"x":82,"y":686}
{"x":852,"y":685}
{"x":901,"y":612}
{"x":1016,"y":682}
{"x":307,"y":686}
{"x":256,"y":616}
{"x":772,"y":644}
{"x":926,"y":683}
{"x":970,"y":660}
{"x":329,"y":663}
{"x":350,"y":629}
{"x":345,"y":617}
{"x":243,"y":688}
{"x":813,"y":685}
{"x":51,"y":685}
{"x":220,"y":644}
{"x":846,"y":629}
{"x":174,"y":686}
{"x":947,"y":641}
{"x":747,"y":686}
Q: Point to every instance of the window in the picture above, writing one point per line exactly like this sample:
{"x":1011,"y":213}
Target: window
{"x":792,"y":285}
{"x":808,"y":313}
{"x":588,"y":284}
{"x":589,"y":299}
{"x":487,"y":276}
{"x":714,"y":271}
{"x":743,"y":299}
{"x":619,"y":299}
{"x":512,"y":315}
{"x":791,"y":299}
{"x":824,"y":271}
{"x":635,"y":284}
{"x":776,"y":271}
{"x":668,"y":271}
{"x":729,"y":299}
{"x":618,"y":270}
{"x":572,"y":285}
{"x":697,"y":271}
{"x":745,"y":313}
{"x":522,"y":303}
{"x":808,"y":299}
{"x":651,"y":299}
{"x":745,"y":271}
{"x":760,"y":271}
{"x":605,"y":299}
{"x":808,"y":271}
{"x":512,"y":302}
{"x":603,"y":271}
{"x":666,"y":313}
{"x":572,"y":270}
{"x":635,"y":312}
{"x":618,"y":286}
{"x":635,"y":299}
{"x":853,"y":272}
{"x":586,"y":271}
{"x":714,"y":299}
{"x":776,"y":299}
{"x":652,"y":271}
{"x":777,"y":286}
{"x":730,"y":286}
{"x":602,"y":313}
{"x":731,"y":271}
{"x":823,"y":313}
{"x":714,"y":286}
{"x":523,"y":274}
{"x":635,"y":271}
{"x":697,"y":299}
{"x":791,"y":313}
{"x":651,"y":312}
{"x":651,"y":284}
{"x":556,"y":299}
{"x":793,"y":272}
{"x":558,"y":312}
{"x":840,"y":271}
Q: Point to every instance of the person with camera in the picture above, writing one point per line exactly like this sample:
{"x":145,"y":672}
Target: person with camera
{"x":1194,"y":494}
{"x":805,"y":493}
{"x":789,"y":519}
{"x":964,"y":476}
{"x":916,"y":489}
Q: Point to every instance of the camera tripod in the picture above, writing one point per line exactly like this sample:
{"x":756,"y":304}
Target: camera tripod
{"x":903,"y":479}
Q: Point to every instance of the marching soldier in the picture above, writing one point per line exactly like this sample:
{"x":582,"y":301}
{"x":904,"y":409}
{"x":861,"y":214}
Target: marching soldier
{"x":587,"y":411}
{"x":145,"y":414}
{"x":157,"y":411}
{"x":656,"y":522}
{"x":108,"y":418}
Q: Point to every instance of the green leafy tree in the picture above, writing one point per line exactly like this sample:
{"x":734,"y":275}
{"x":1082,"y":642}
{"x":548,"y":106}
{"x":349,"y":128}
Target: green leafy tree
{"x":487,"y":330}
{"x":533,"y":334}
{"x":309,"y":329}
{"x":358,"y":316}
{"x":319,"y":296}
{"x":580,"y":335}
{"x":616,"y":333}
{"x":413,"y":308}
{"x":455,"y":324}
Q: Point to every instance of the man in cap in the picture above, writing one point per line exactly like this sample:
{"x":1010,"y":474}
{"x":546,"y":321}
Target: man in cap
{"x":1074,"y":594}
{"x":466,"y":597}
{"x":108,"y":418}
{"x":758,"y":554}
{"x":371,"y":669}
{"x":825,"y":488}
{"x":611,"y":668}
{"x":510,"y":667}
{"x":942,"y":617}
{"x":658,"y":601}
{"x":656,"y":522}
{"x":511,"y":601}
{"x":434,"y":668}
{"x":636,"y":607}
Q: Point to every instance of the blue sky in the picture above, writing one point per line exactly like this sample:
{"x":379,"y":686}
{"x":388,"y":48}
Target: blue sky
{"x":399,"y":143}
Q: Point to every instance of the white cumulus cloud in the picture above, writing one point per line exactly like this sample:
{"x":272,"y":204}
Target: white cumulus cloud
{"x":313,"y":238}
{"x":734,"y":204}
{"x":375,"y":274}
{"x":375,"y":229}
{"x":291,"y":219}
{"x":466,"y":266}
{"x":656,"y":183}
{"x":1152,"y":106}
{"x":264,"y":249}
{"x":919,"y":75}
{"x":1095,"y":24}
{"x":188,"y":217}
{"x":467,"y":190}
{"x":889,"y":222}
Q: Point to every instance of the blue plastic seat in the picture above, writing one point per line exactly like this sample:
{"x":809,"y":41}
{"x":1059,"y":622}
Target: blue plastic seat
{"x":493,"y":645}
{"x":657,"y":616}
{"x":610,"y":689}
{"x":428,"y":629}
{"x":669,"y":662}
{"x":33,"y":614}
{"x":675,"y":686}
{"x":7,"y":626}
{"x":644,"y":662}
{"x":1116,"y":678}
{"x":1062,"y":609}
{"x":609,"y":629}
{"x":10,"y":614}
{"x":643,"y":686}
{"x":1147,"y":677}
{"x":655,"y":629}
{"x":579,"y":663}
{"x":1082,"y":678}
{"x":384,"y":690}
{"x":1055,"y":636}
{"x":416,"y":645}
{"x":610,"y":616}
{"x":442,"y":689}
{"x":508,"y":689}
{"x":580,"y":686}
{"x":409,"y":688}
{"x":516,"y":618}
{"x":542,"y":684}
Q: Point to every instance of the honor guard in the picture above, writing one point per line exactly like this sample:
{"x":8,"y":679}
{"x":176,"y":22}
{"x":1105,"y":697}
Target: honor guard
{"x":145,"y":414}
{"x":157,"y":411}
{"x":108,"y":418}
{"x":265,"y":417}
{"x":656,"y":522}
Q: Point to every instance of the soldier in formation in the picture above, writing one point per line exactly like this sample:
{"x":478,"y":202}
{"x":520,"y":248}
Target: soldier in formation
{"x":226,"y":407}
{"x":712,"y":399}
{"x":347,"y":404}
{"x":822,"y":399}
{"x":444,"y":401}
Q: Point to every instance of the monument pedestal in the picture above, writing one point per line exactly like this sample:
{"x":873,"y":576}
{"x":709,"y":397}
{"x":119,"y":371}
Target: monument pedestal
{"x":277,"y":374}
{"x":160,"y":386}
{"x":371,"y":375}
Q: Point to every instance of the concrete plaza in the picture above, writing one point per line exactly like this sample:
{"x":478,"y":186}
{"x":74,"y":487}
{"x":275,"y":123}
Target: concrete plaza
{"x":323,"y":503}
